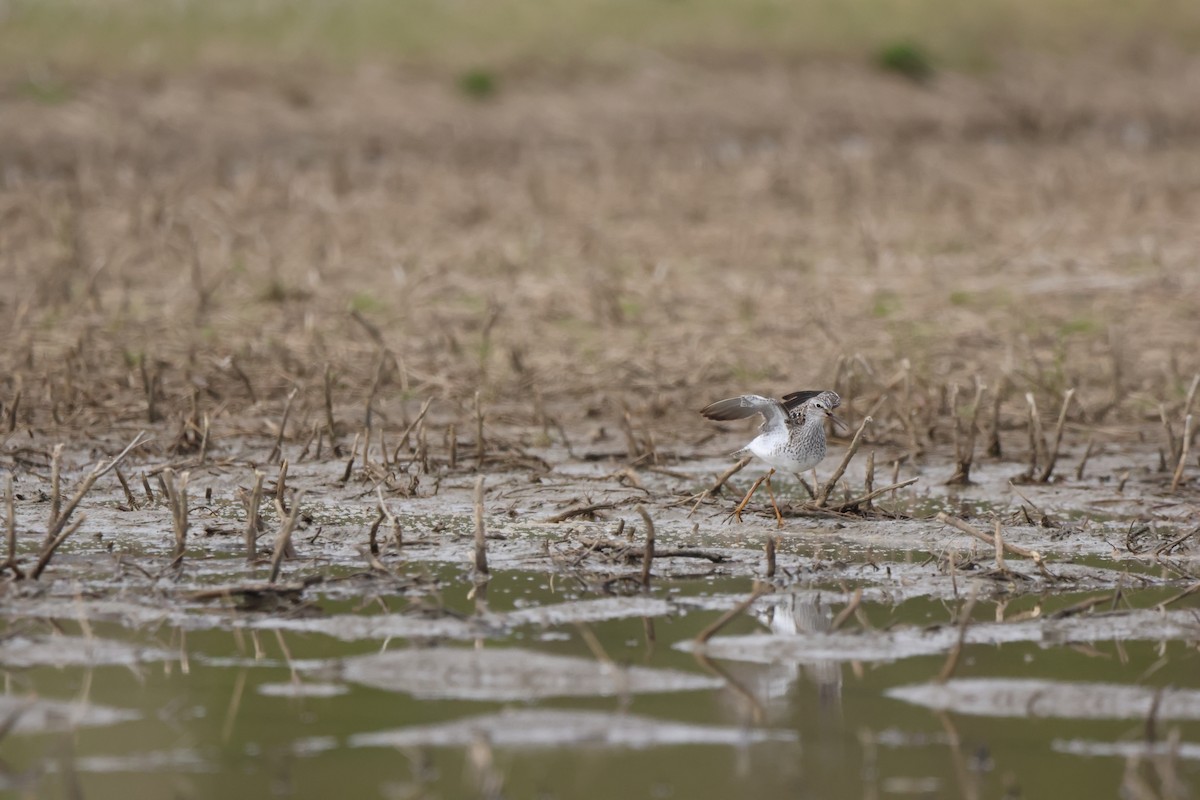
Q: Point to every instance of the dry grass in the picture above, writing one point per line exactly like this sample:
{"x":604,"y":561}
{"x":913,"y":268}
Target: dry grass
{"x":185,"y":253}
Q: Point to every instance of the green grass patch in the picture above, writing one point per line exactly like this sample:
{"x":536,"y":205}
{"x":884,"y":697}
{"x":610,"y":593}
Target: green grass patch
{"x":154,"y":34}
{"x":478,"y":84}
{"x":908,"y":60}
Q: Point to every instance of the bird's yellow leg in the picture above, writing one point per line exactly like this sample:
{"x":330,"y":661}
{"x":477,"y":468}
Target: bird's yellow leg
{"x":737,"y":512}
{"x":774,"y":505}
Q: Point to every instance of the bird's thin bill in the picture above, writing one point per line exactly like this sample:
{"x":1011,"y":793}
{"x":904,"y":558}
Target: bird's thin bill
{"x":839,"y":422}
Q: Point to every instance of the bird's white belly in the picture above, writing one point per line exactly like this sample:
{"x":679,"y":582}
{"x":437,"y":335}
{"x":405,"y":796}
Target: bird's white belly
{"x":772,"y":449}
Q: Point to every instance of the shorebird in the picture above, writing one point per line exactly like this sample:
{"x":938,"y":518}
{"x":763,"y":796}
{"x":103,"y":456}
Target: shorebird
{"x":792,"y":436}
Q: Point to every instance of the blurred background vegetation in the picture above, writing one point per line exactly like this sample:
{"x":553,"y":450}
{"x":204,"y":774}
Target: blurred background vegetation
{"x":962,"y":34}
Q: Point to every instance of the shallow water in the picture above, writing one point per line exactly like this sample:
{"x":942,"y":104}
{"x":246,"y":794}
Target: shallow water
{"x":214,"y":714}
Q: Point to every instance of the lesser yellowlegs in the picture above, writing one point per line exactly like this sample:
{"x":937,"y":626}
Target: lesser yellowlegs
{"x":792,"y":436}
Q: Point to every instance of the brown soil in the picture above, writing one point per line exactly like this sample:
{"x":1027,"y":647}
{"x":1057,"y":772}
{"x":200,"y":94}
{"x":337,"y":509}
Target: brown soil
{"x":659,"y":236}
{"x":574,"y":265}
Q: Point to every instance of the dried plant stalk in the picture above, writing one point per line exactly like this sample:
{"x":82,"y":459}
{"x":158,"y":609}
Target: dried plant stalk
{"x":863,"y":501}
{"x":1036,"y":442}
{"x":280,"y":487}
{"x":1052,"y":455}
{"x":277,"y":450}
{"x":869,"y":481}
{"x":14,"y":408}
{"x":648,"y":553}
{"x":823,"y":492}
{"x":481,"y":563}
{"x":330,"y":426}
{"x":373,"y":534}
{"x":10,"y":531}
{"x":58,"y":531}
{"x":964,"y":445}
{"x":350,"y":461}
{"x":1183,"y":452}
{"x":411,"y":427}
{"x":716,"y":485}
{"x":999,"y":541}
{"x":993,"y":449}
{"x":1087,"y":454}
{"x":386,"y":513}
{"x":55,"y":486}
{"x":480,"y":445}
{"x":283,"y":541}
{"x":177,"y":499}
{"x":129,"y":499}
{"x":252,"y":517}
{"x":1016,"y":550}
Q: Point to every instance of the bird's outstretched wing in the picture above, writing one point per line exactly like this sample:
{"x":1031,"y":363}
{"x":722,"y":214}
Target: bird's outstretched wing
{"x":747,"y":405}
